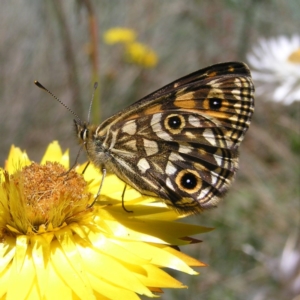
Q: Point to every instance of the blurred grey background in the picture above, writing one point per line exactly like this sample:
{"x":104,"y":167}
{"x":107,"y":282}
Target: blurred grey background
{"x":60,"y":43}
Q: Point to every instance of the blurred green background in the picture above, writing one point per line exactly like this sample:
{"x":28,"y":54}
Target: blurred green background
{"x":61,"y":44}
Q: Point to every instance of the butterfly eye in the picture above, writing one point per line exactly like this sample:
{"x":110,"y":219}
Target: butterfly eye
{"x":215,"y":103}
{"x":84,"y":134}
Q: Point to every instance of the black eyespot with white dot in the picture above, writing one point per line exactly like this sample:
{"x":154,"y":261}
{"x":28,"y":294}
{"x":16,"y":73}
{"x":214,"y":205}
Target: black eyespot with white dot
{"x":215,"y":103}
{"x":189,"y":181}
{"x":174,"y":122}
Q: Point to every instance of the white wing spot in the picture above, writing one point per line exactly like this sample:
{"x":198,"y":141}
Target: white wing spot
{"x":185,"y":149}
{"x":113,"y":139}
{"x":237,"y":82}
{"x":164,"y":136}
{"x":169,"y":184}
{"x":214,"y":82}
{"x":236,"y":94}
{"x":209,"y":136}
{"x":170,"y":168}
{"x":130,"y":127}
{"x":131,"y":145}
{"x":150,"y":147}
{"x":234,"y":118}
{"x":175,"y":157}
{"x":190,"y":135}
{"x":218,"y":160}
{"x":203,"y":194}
{"x":156,"y":118}
{"x":214,"y":178}
{"x":194,"y":121}
{"x":143,"y":165}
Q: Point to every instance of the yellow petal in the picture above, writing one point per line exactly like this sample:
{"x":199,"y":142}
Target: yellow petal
{"x":70,"y":270}
{"x":7,"y":253}
{"x":157,"y":256}
{"x":57,"y":288}
{"x":21,"y":249}
{"x":106,"y":245}
{"x":16,"y":160}
{"x":111,"y":291}
{"x":4,"y":281}
{"x":22,"y":273}
{"x":125,"y":279}
{"x":53,"y":153}
{"x":187,"y":259}
{"x":158,"y":278}
{"x":65,"y":160}
{"x":39,"y":246}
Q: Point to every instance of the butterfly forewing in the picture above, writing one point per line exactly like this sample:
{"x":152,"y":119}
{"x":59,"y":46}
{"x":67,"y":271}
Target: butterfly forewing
{"x":181,"y":142}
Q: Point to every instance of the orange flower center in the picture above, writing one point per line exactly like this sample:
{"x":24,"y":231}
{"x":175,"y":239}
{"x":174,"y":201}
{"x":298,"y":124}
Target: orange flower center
{"x":39,"y":195}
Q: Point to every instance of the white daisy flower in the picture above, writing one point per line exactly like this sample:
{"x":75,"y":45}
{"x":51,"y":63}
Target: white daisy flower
{"x":276,"y":64}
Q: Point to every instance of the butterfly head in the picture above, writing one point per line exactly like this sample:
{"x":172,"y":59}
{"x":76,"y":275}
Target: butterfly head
{"x":82,"y":130}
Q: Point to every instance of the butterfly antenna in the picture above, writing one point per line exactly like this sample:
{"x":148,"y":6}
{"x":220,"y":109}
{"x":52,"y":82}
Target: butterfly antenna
{"x":63,"y":104}
{"x":91,"y":103}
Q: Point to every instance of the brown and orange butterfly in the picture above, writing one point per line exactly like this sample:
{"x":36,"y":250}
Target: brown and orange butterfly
{"x":181,"y":142}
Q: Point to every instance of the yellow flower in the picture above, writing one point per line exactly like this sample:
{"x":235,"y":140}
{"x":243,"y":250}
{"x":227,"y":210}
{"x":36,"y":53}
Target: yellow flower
{"x":55,"y":246}
{"x":119,"y":35}
{"x":140,"y":54}
{"x":135,"y":52}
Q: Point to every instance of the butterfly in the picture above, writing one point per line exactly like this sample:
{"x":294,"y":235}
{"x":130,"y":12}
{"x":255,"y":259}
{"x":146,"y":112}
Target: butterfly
{"x":180,"y":143}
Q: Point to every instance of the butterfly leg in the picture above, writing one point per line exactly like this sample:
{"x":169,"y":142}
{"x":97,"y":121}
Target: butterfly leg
{"x":86,"y":166}
{"x":74,"y":165}
{"x":76,"y":160}
{"x":100,"y":187}
{"x":123,"y":205}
